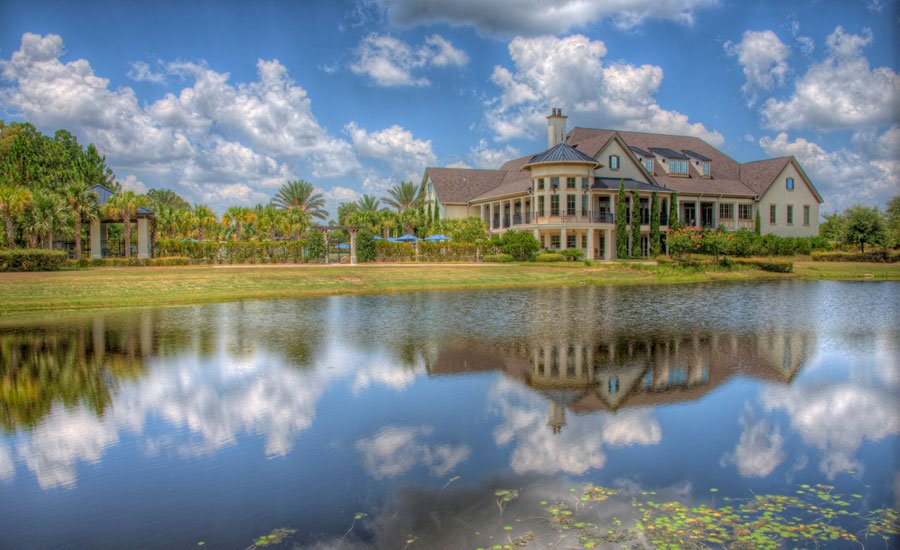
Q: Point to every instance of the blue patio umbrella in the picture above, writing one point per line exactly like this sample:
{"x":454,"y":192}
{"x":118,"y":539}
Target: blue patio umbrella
{"x":437,"y":238}
{"x":189,"y":240}
{"x":343,"y":246}
{"x":377,"y":238}
{"x":407,"y":239}
{"x":392,"y":240}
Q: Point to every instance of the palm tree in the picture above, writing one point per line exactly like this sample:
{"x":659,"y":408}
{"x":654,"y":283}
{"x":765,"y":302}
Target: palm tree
{"x":238,"y":216}
{"x":13,"y":201}
{"x":301,"y":195}
{"x":368,"y":203}
{"x":48,"y":216}
{"x":405,"y":196}
{"x":204,"y":218}
{"x":82,"y":204}
{"x":125,"y":205}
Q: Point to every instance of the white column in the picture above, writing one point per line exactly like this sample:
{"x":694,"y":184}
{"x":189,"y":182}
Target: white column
{"x":481,"y":211}
{"x":537,"y":235}
{"x":590,"y":245}
{"x":490,"y":215}
{"x":353,"y":233}
{"x":143,"y":238}
{"x":96,"y":245}
{"x":562,"y":239}
{"x":607,"y":244}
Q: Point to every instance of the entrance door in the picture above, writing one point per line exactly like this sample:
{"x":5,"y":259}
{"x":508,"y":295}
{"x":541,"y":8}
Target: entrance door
{"x":706,"y":214}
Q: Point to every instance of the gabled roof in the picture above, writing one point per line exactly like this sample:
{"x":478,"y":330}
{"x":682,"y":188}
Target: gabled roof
{"x":761,"y":174}
{"x":460,"y":185}
{"x":561,"y":152}
{"x":104,"y":193}
{"x":668,"y":153}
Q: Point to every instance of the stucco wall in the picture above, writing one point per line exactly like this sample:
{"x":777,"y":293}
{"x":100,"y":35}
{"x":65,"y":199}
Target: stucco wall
{"x":627,"y":168}
{"x":801,"y":196}
{"x":455,"y":211}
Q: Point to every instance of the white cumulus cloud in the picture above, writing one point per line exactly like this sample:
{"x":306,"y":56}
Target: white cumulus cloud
{"x":396,"y":146}
{"x":763,"y":57}
{"x":841,"y":91}
{"x":389,"y":61}
{"x":570,"y":73}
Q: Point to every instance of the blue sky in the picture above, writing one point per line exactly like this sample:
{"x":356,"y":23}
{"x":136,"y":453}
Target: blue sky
{"x":224,"y":101}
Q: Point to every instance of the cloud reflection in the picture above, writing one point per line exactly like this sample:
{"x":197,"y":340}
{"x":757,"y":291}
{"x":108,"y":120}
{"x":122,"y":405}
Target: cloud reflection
{"x":760,"y":449}
{"x":395,"y":450}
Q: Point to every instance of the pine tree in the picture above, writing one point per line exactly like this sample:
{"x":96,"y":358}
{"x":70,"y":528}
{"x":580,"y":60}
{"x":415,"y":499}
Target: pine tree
{"x":621,"y":224}
{"x":654,"y":224}
{"x":635,"y":225}
{"x":757,"y":226}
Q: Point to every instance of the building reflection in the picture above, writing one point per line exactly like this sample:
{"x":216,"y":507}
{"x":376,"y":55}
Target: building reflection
{"x":619,"y":371}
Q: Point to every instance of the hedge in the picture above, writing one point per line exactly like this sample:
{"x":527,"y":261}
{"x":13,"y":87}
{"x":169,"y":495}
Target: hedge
{"x":549,"y":257}
{"x":775,"y":266}
{"x":878,"y":256}
{"x":432,"y":252}
{"x":130,"y":262}
{"x":31,"y":259}
{"x":498,"y":258}
{"x":235,"y":252}
{"x":747,"y":243}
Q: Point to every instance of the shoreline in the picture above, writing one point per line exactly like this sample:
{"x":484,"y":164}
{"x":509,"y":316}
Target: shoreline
{"x":119,"y":288}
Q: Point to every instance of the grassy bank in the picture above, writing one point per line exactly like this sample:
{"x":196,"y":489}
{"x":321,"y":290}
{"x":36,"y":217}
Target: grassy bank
{"x":107,"y":288}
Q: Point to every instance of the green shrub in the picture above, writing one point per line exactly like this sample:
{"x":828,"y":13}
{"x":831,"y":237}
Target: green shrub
{"x":775,"y":266}
{"x":520,"y":245}
{"x":573,"y":254}
{"x":431,"y":252}
{"x":365,"y":246}
{"x":550,"y":257}
{"x":877,"y":256}
{"x":170,"y":261}
{"x":31,"y":259}
{"x":498,"y":258}
{"x":236,"y":252}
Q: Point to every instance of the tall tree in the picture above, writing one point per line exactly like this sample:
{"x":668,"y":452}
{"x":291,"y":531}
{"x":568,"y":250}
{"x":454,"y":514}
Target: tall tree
{"x":864,"y":226}
{"x":368,"y":203}
{"x":82,"y":205}
{"x":49,"y":215}
{"x":94,"y":171}
{"x":301,"y":195}
{"x":892,"y":218}
{"x":635,"y":225}
{"x":14,"y":199}
{"x":673,"y":211}
{"x":621,"y":222}
{"x":404,"y":196}
{"x":654,"y":224}
{"x":124,"y":205}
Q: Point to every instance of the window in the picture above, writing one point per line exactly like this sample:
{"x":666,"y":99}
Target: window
{"x":570,"y":203}
{"x":706,"y":169}
{"x":554,"y":205}
{"x":744,"y":211}
{"x":584,"y":241}
{"x":645,"y":211}
{"x":789,"y":184}
{"x":584,"y":183}
{"x":648,"y":164}
{"x":570,"y":241}
{"x":790,"y":215}
{"x":540,"y":205}
{"x":679,"y":166}
{"x":773,"y":214}
{"x":613,"y":162}
{"x":584,"y":204}
{"x":570,"y":183}
{"x":726,"y":211}
{"x":540,"y":184}
{"x":554,"y":241}
{"x":806,"y":215}
{"x":554,"y":183}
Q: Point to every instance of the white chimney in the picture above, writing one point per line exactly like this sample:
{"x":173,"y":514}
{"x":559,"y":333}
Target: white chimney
{"x":556,"y":128}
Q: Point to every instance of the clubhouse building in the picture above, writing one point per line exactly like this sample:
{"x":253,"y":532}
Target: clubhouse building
{"x":567,"y":194}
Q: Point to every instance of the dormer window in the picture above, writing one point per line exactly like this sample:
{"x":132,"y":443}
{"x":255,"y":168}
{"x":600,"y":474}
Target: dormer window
{"x":648,"y":164}
{"x":789,"y":184}
{"x":678,"y":167}
{"x":706,"y":169}
{"x":614,"y":162}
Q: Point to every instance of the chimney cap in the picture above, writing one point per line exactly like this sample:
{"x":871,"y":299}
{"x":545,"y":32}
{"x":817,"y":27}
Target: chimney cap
{"x":556,"y":112}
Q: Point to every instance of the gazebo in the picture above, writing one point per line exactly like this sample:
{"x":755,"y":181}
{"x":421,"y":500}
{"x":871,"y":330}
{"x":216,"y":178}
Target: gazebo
{"x":99,"y":227}
{"x":353,"y":230}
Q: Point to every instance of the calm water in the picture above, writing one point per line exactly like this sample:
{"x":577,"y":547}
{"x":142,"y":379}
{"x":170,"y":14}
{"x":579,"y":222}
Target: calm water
{"x":217,"y":424}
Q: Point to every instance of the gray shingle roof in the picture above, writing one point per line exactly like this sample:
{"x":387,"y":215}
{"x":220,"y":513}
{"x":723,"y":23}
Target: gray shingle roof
{"x":697,"y":156}
{"x":668,"y":153}
{"x":460,"y":185}
{"x":561,"y":152}
{"x":641,"y":152}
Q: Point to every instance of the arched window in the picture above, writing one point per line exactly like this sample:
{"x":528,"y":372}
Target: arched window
{"x":614,"y":162}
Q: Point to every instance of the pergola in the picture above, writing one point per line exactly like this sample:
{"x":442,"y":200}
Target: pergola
{"x":99,"y":227}
{"x":353,"y":230}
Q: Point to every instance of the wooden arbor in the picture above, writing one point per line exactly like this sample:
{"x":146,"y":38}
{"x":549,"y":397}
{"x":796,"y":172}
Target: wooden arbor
{"x":353,"y":230}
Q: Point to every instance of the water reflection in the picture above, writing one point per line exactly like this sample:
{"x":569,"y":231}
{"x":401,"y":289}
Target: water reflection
{"x":418,"y":389}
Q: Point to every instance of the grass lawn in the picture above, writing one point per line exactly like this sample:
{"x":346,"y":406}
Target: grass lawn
{"x":104,"y":288}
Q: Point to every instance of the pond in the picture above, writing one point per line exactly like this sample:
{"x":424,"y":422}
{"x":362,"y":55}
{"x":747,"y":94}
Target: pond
{"x":535,"y":418}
